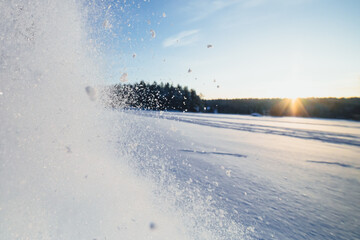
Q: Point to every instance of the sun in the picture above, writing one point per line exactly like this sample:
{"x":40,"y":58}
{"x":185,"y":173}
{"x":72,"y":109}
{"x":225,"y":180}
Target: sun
{"x":297,"y":108}
{"x":294,"y":100}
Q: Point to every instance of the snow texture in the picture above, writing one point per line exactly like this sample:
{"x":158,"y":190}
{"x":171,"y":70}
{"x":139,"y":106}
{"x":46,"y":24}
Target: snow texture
{"x":71,"y":169}
{"x":277,"y":178}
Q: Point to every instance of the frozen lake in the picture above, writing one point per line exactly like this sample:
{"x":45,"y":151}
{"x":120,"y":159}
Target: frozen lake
{"x":278,"y":178}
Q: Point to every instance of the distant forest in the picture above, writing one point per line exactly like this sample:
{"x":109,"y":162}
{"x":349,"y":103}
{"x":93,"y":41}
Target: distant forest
{"x":342,"y":108}
{"x":155,"y":97}
{"x":177,"y":98}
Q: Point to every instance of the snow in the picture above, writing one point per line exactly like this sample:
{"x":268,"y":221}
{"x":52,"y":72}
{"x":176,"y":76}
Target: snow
{"x":71,"y":169}
{"x":60,"y":174}
{"x":153,"y":34}
{"x":275,"y":178}
{"x":124,"y":77}
{"x":169,"y":175}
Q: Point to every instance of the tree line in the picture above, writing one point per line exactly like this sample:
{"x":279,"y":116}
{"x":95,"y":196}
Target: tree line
{"x":178,"y":98}
{"x":341,"y":108}
{"x":155,"y":97}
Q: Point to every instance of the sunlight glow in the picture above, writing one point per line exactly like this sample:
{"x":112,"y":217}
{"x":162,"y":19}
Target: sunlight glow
{"x":297,"y":108}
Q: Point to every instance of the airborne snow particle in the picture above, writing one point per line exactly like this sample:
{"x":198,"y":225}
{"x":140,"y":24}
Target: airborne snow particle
{"x":68,"y":149}
{"x":189,"y":71}
{"x":153,"y":34}
{"x":124,"y":77}
{"x":106,"y":24}
{"x":134,"y":55}
{"x":1,"y":93}
{"x":164,"y":14}
{"x":218,"y":86}
{"x":209,"y":46}
{"x":91,"y":92}
{"x":152,"y":226}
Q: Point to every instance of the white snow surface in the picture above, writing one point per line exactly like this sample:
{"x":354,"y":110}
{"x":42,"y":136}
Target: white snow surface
{"x":276,"y":178}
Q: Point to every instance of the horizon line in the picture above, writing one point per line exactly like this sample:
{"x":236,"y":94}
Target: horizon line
{"x":264,"y":98}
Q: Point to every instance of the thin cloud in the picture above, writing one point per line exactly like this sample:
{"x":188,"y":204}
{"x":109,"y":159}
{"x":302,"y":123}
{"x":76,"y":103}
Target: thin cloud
{"x":182,"y":39}
{"x":204,"y":8}
{"x":253,"y":3}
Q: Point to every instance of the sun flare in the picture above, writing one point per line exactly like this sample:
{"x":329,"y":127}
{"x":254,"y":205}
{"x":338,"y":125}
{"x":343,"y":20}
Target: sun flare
{"x":297,"y":107}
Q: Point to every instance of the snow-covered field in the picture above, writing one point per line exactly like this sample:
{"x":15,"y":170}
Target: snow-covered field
{"x":71,"y":169}
{"x":277,"y":178}
{"x":161,"y":175}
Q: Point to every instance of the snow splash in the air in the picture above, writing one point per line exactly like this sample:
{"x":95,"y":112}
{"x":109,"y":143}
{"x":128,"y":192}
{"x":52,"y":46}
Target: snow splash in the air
{"x":65,"y":170}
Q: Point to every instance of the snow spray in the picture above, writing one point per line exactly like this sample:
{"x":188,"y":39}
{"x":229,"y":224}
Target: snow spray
{"x":65,"y":170}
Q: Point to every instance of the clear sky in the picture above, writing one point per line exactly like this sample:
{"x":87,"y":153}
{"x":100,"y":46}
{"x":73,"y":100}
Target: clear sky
{"x":259,"y":48}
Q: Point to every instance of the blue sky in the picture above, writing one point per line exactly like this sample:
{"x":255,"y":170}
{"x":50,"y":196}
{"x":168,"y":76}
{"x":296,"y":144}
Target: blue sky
{"x":259,"y":48}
